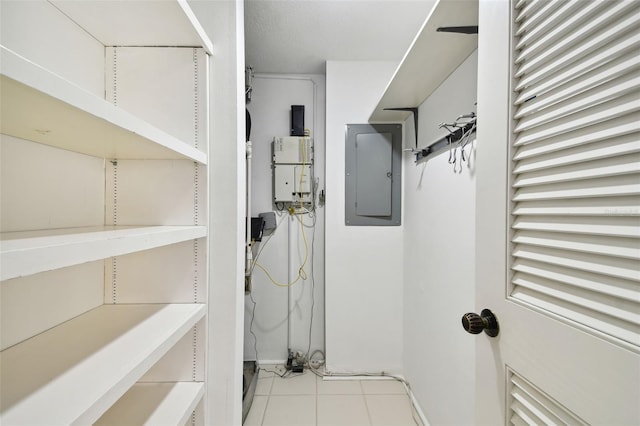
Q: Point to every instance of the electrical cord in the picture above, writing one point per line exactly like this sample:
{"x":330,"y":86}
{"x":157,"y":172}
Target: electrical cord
{"x":284,"y":375}
{"x":302,"y":274}
{"x":253,"y":310}
{"x":253,"y":317}
{"x":313,"y":284}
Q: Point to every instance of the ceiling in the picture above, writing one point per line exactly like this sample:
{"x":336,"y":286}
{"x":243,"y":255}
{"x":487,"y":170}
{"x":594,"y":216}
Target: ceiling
{"x":299,"y":36}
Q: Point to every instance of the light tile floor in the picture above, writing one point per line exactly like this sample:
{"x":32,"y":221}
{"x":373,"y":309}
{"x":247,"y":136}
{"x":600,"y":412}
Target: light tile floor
{"x":306,"y":399}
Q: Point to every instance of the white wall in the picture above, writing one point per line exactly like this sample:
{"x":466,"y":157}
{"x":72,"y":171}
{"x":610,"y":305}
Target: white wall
{"x":363,"y":294}
{"x":439,"y":260}
{"x":272,"y":98}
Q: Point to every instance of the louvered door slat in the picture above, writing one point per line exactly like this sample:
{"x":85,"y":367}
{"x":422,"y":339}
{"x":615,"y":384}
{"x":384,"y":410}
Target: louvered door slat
{"x":534,"y":30}
{"x":576,"y":166}
{"x":529,"y":9}
{"x":547,"y":410}
{"x":535,"y":17}
{"x":618,"y":288}
{"x":622,"y":310}
{"x":559,"y":26}
{"x":622,"y":129}
{"x":578,"y":96}
{"x":612,"y":206}
{"x":585,"y":170}
{"x":608,"y":266}
{"x":609,"y":225}
{"x":523,"y":413}
{"x":516,"y":420}
{"x":529,"y":392}
{"x":627,"y":66}
{"x":575,"y":242}
{"x":627,"y":84}
{"x":539,"y":82}
{"x":541,"y":129}
{"x":606,"y":26}
{"x":621,"y":247}
{"x":541,"y":414}
{"x":621,"y":146}
{"x":520,"y":3}
{"x":605,"y":187}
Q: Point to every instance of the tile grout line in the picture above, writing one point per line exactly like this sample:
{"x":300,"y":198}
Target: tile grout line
{"x":264,"y":412}
{"x":366,"y":405}
{"x":266,"y":405}
{"x":361,"y":390}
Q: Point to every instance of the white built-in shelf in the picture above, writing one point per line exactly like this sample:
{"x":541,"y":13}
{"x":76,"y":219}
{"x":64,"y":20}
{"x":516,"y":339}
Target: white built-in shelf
{"x":29,"y":252}
{"x":43,"y":107}
{"x":73,"y":373}
{"x":154,"y":404}
{"x":138,"y":23}
{"x":431,"y":58}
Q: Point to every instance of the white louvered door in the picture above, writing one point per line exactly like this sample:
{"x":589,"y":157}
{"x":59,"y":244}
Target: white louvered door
{"x":558,"y":214}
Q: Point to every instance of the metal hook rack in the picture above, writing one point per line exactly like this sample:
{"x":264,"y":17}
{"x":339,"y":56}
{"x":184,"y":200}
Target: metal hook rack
{"x":458,"y":131}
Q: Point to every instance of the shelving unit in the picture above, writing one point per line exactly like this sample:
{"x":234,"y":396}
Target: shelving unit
{"x":166,"y":23}
{"x":39,"y":105}
{"x":153,"y":404}
{"x":103,"y":266}
{"x":29,"y":252}
{"x":430,"y":59}
{"x":84,"y":365}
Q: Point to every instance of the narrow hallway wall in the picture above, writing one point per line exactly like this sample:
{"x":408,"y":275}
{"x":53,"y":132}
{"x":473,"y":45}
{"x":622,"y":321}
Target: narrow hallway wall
{"x":272,"y":97}
{"x":363,"y":263}
{"x":439,"y":259}
{"x":224,"y":23}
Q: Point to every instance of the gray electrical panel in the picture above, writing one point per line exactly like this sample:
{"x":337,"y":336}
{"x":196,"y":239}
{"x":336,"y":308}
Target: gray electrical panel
{"x":373,"y":164}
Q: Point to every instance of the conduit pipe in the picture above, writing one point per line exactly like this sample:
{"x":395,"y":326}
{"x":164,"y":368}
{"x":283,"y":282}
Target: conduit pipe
{"x":291,"y":275}
{"x":248,"y":249}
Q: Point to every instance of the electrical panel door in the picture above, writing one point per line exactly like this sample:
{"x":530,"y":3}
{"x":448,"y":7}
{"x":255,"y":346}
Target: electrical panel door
{"x":373,"y":174}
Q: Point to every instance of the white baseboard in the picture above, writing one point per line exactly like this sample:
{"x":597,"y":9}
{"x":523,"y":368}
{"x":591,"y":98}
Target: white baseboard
{"x":272,"y":362}
{"x":414,"y":401}
{"x":417,"y":407}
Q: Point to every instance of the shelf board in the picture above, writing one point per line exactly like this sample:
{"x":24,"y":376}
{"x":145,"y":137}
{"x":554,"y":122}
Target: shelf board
{"x":43,"y":107}
{"x":138,"y":23}
{"x":155,"y":404}
{"x":430,"y":59}
{"x":29,"y":252}
{"x":72,"y":373}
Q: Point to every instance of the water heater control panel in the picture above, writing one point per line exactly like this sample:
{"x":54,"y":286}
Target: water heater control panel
{"x":292,"y":170}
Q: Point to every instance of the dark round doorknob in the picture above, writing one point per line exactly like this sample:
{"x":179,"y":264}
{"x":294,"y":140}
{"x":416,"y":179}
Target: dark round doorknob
{"x":474,"y":323}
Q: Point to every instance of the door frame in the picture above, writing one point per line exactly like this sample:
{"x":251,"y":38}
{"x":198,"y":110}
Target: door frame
{"x":492,"y":181}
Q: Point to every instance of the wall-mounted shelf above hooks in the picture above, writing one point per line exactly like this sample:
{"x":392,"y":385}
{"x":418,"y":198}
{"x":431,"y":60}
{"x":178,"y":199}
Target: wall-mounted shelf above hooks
{"x":431,"y":58}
